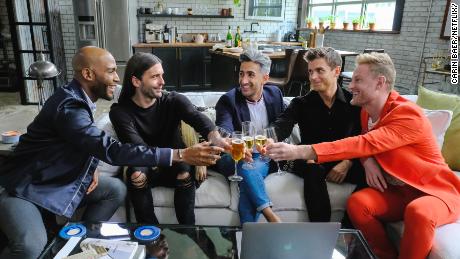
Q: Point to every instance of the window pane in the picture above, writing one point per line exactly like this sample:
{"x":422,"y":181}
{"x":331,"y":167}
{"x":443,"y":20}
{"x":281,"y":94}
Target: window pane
{"x":347,"y":13}
{"x":321,"y":12}
{"x":383,"y":15}
{"x":321,"y":1}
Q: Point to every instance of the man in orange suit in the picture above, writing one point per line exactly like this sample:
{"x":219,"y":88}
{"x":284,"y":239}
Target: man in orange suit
{"x":408,"y":177}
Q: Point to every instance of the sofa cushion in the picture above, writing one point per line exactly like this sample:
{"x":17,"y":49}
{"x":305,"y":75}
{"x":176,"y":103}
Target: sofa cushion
{"x":216,"y":185}
{"x":434,"y":100}
{"x":286,"y":192}
{"x":445,"y":239}
{"x":104,"y":124}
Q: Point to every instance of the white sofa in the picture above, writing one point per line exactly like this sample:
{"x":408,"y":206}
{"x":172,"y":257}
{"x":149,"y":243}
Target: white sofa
{"x":216,"y":199}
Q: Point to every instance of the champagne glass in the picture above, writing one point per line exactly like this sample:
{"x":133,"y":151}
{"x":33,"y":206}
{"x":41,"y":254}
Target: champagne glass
{"x":260,"y":141}
{"x":248,"y":137}
{"x":223,"y":134}
{"x":237,"y":154}
{"x":271,"y":133}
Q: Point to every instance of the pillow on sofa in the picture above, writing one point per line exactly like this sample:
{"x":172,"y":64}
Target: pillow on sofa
{"x":104,"y":124}
{"x":440,"y":121}
{"x":440,"y":101}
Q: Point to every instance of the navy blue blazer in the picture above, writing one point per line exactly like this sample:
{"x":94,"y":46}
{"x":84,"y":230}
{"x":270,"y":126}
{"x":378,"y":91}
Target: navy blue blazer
{"x":232,"y":108}
{"x":54,"y":162}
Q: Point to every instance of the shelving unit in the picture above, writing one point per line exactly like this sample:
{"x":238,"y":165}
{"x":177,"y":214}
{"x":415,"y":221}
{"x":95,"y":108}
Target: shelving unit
{"x":186,"y":16}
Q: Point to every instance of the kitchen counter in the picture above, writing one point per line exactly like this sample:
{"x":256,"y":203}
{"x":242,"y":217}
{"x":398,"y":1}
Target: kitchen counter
{"x":174,"y":45}
{"x":274,"y":55}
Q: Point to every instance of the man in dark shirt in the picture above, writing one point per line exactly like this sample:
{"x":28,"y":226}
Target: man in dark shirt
{"x":145,"y":114}
{"x":324,"y":114}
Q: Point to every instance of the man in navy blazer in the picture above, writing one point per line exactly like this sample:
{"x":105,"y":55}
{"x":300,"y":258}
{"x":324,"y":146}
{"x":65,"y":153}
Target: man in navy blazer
{"x":261,"y":104}
{"x":52,"y":171}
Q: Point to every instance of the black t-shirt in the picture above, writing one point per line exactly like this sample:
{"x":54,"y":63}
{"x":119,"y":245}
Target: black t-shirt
{"x":159,"y":124}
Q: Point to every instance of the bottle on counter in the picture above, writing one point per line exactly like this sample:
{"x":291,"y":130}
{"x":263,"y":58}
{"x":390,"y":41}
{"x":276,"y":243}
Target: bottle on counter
{"x":166,"y":34}
{"x":238,"y":37}
{"x":229,"y":42}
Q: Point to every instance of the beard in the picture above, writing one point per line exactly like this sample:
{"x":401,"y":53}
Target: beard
{"x":101,"y":90}
{"x":150,"y":93}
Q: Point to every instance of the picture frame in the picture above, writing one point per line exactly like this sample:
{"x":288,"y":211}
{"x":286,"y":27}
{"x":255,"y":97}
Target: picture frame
{"x":446,"y":24}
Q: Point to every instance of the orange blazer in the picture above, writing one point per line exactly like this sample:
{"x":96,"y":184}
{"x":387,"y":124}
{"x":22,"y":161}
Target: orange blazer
{"x":403,"y":144}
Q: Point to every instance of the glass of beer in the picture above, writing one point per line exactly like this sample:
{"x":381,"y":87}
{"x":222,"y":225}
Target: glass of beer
{"x":271,"y":133}
{"x":249,"y":132}
{"x":238,"y":147}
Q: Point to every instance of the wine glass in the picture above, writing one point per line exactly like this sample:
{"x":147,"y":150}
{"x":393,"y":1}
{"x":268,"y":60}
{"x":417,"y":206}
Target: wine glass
{"x":271,"y":133}
{"x":260,"y":140}
{"x":248,"y":137}
{"x":223,"y":134}
{"x":237,"y":154}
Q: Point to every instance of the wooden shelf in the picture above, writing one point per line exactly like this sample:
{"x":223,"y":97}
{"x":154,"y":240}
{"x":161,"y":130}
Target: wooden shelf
{"x":185,"y":16}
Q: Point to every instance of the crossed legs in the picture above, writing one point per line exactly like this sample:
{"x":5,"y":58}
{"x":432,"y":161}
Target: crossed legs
{"x":369,"y":209}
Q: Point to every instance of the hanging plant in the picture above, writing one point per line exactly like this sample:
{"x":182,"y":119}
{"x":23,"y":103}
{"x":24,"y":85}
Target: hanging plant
{"x":237,"y":3}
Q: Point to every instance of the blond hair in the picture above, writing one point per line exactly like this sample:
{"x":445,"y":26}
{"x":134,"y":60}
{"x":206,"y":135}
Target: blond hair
{"x":380,"y":64}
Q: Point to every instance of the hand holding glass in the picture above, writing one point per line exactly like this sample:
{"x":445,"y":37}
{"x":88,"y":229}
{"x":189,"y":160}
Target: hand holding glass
{"x":238,"y":147}
{"x":271,"y":133}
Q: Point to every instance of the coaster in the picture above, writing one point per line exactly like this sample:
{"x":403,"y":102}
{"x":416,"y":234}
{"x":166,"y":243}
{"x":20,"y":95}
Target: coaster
{"x":147,"y":233}
{"x":75,"y":230}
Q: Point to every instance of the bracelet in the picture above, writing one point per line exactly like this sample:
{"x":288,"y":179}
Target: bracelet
{"x":179,"y":153}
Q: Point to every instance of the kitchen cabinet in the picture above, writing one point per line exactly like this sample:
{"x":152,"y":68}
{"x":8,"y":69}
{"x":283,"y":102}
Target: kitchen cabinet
{"x":185,"y":68}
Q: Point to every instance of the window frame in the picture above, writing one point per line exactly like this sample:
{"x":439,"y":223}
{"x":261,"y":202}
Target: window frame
{"x":306,"y":7}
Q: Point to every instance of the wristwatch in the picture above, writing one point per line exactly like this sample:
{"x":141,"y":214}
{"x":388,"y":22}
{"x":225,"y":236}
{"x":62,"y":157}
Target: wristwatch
{"x":179,"y":153}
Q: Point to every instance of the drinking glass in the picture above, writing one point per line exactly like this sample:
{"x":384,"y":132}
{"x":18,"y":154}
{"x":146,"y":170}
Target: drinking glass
{"x":223,"y":133}
{"x":249,"y":131}
{"x":260,"y":141}
{"x":237,"y":154}
{"x":271,"y":133}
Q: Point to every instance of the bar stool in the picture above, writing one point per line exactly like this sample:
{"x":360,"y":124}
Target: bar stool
{"x":282,"y":82}
{"x":299,"y":75}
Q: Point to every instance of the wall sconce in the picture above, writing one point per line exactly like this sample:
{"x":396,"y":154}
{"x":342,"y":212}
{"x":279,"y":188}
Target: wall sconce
{"x":39,"y":70}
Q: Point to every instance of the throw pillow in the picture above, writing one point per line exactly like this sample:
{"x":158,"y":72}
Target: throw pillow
{"x":440,"y":121}
{"x":440,"y":101}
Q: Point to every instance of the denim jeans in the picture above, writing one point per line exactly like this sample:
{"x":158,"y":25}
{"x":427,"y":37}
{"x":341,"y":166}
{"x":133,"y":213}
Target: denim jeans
{"x":253,"y":196}
{"x":22,"y":222}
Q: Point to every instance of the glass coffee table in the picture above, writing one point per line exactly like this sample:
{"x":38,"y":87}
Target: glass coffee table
{"x":179,"y":241}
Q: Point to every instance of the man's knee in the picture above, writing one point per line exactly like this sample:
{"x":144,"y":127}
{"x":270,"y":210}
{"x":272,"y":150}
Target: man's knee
{"x":138,"y":180}
{"x":183,"y":175}
{"x":117,"y":189}
{"x":415,"y":214}
{"x":28,"y":245}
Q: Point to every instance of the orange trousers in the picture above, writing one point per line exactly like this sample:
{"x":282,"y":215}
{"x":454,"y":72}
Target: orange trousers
{"x":369,"y":209}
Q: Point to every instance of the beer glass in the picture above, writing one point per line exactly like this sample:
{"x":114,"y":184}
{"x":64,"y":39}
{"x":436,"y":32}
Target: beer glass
{"x":237,"y":154}
{"x":271,"y":133}
{"x":248,"y":137}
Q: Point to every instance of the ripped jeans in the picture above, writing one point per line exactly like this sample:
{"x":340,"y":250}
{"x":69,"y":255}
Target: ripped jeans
{"x":184,"y":193}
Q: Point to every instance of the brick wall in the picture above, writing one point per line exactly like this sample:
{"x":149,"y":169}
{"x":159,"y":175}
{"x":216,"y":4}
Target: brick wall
{"x":6,"y":30}
{"x":405,"y":48}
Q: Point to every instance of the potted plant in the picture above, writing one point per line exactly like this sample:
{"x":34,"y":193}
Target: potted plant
{"x":309,"y":21}
{"x":371,"y":24}
{"x":331,"y":19}
{"x":237,"y":3}
{"x":345,"y":25}
{"x":321,"y":22}
{"x":356,"y":23}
